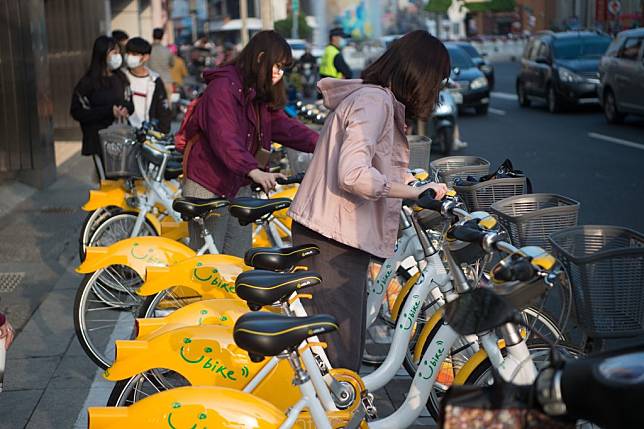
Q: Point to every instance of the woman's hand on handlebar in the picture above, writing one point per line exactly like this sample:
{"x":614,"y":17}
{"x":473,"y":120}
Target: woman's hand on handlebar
{"x":439,"y":188}
{"x":267,"y":181}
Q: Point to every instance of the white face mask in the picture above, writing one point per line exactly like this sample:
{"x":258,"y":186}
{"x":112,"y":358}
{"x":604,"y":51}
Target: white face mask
{"x":132,"y":61}
{"x":115,"y":61}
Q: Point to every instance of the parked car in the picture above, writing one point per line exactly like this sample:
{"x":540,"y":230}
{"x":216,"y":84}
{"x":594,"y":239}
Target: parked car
{"x":478,"y":59}
{"x":562,"y":68}
{"x":621,"y":76}
{"x":469,"y":86}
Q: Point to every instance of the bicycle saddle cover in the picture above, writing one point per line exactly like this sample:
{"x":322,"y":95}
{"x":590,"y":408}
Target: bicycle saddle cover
{"x":247,"y":210}
{"x":266,"y":334}
{"x":279,"y":259}
{"x":190,"y":207}
{"x":261,"y":287}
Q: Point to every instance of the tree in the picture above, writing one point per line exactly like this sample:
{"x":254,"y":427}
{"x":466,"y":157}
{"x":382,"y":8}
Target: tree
{"x":284,"y":27}
{"x":493,"y":6}
{"x":438,"y":6}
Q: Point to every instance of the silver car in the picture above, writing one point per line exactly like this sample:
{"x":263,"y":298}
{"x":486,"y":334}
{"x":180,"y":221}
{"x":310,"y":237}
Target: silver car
{"x":621,"y":74}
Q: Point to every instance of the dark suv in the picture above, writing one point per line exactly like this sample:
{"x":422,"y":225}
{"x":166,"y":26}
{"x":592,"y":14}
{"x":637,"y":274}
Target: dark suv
{"x":562,"y":68}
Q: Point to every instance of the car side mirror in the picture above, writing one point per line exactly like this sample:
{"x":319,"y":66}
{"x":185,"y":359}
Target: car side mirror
{"x":456,"y":70}
{"x":483,"y":54}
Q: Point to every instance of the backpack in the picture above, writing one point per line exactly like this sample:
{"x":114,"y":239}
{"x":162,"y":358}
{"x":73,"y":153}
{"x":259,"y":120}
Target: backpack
{"x":182,"y":143}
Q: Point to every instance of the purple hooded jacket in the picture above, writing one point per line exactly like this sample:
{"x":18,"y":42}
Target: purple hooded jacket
{"x":224,"y":154}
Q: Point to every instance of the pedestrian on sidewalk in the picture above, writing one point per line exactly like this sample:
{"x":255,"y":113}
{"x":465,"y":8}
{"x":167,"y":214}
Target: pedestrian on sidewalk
{"x":350,"y":199}
{"x":162,"y":60}
{"x":148,"y":89}
{"x":231,"y":131}
{"x":121,"y":38}
{"x":332,"y":63}
{"x":101,"y":97}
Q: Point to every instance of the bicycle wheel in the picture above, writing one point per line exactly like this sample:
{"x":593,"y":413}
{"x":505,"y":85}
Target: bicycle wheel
{"x":119,"y":227}
{"x":127,"y":392}
{"x":540,"y":353}
{"x":91,"y":222}
{"x":536,"y":318}
{"x":167,"y":301}
{"x":104,"y":312}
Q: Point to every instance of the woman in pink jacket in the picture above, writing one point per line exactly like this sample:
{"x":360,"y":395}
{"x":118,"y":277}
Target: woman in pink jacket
{"x":350,"y":199}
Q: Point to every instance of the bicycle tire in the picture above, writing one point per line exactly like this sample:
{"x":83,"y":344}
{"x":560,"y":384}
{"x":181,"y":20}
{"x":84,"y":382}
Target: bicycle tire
{"x":91,"y":222}
{"x":98,"y":347}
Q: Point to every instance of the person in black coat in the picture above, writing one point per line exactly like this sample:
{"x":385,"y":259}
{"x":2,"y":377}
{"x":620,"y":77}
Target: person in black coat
{"x":101,"y":97}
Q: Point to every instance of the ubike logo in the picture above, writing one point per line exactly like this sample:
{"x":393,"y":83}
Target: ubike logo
{"x":182,"y":416}
{"x":218,"y":368}
{"x":433,"y":362}
{"x":381,"y":281}
{"x":147,"y":256}
{"x":212,"y":320}
{"x":410,"y":318}
{"x":214,"y":278}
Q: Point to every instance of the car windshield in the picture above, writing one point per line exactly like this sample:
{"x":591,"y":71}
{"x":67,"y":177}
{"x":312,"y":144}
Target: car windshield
{"x":574,"y":48}
{"x":298,"y":46}
{"x":471,"y":50}
{"x":459,"y":58}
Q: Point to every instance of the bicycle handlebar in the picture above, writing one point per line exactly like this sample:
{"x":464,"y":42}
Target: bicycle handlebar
{"x":606,"y":389}
{"x":297,"y":178}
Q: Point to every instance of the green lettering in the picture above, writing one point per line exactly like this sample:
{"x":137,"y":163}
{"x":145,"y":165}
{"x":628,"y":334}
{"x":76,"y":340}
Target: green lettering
{"x":207,"y":364}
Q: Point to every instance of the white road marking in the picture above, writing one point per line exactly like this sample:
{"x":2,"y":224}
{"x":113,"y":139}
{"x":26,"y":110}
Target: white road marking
{"x":615,"y":140}
{"x":504,"y":96}
{"x":496,"y":111}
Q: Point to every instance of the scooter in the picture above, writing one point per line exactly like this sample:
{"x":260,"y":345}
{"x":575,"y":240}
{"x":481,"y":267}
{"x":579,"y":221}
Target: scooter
{"x":441,"y":128}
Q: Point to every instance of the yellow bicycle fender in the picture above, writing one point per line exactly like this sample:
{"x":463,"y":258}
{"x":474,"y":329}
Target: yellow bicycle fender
{"x":338,"y":419}
{"x":211,"y":276}
{"x":174,"y":230}
{"x":191,"y":407}
{"x":222,"y":312}
{"x":137,"y":253}
{"x":466,"y":370}
{"x":111,"y":194}
{"x":205,"y":355}
{"x":401,"y":296}
{"x":422,"y":338}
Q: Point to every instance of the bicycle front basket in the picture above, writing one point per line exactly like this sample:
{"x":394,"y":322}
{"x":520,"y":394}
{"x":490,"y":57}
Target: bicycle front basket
{"x":606,"y":269}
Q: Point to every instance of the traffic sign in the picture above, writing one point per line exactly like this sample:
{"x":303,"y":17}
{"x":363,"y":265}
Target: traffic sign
{"x":615,"y":7}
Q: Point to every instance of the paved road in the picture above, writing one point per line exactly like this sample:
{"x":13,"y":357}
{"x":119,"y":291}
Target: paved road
{"x":575,"y":153}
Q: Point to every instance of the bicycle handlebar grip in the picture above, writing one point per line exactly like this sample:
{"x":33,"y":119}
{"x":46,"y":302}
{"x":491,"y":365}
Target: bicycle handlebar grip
{"x":297,"y":178}
{"x":607,"y":389}
{"x":426,"y":200}
{"x":468,"y":234}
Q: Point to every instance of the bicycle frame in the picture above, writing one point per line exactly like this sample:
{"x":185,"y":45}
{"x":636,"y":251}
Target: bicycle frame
{"x":407,"y":245}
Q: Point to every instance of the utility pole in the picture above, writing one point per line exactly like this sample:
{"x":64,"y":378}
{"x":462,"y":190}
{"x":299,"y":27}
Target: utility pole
{"x":266,"y":12}
{"x":243,"y":13}
{"x":295,"y":11}
{"x":193,"y":19}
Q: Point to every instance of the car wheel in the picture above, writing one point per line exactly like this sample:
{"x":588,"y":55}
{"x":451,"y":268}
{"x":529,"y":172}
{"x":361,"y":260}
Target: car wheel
{"x":613,"y":115}
{"x":524,"y":101}
{"x":482,"y":109}
{"x":554,"y":105}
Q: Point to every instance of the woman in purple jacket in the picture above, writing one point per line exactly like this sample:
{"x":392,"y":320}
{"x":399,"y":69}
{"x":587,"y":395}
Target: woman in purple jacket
{"x":239,"y":115}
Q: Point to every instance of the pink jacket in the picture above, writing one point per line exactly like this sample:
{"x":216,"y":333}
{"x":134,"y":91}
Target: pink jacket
{"x":362,"y":149}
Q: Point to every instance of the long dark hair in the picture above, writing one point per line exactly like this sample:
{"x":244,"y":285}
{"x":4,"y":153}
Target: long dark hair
{"x":97,"y":70}
{"x":257,"y":71}
{"x":413,"y":68}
